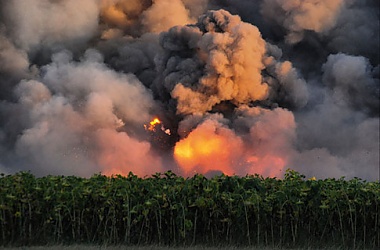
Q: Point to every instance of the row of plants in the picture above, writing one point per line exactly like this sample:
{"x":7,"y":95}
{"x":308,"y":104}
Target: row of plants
{"x":166,"y":209}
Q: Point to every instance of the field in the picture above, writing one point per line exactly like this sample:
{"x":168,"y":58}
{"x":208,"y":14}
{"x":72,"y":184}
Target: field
{"x":169,"y":210}
{"x":84,"y":247}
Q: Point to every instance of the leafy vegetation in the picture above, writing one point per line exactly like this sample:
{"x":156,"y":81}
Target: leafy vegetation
{"x":166,"y":209}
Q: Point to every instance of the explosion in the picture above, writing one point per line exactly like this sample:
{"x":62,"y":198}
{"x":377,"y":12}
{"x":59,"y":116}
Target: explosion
{"x":115,"y":86}
{"x":206,"y":149}
{"x":152,"y":126}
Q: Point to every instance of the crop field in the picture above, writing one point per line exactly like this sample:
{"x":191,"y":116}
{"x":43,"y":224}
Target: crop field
{"x":89,"y":247}
{"x":171,"y":211}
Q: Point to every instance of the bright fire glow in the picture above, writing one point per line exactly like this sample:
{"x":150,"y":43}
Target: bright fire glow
{"x":207,"y":148}
{"x":211,"y":147}
{"x":153,"y":124}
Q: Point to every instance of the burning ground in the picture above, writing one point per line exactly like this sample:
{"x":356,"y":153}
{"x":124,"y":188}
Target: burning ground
{"x":239,"y":87}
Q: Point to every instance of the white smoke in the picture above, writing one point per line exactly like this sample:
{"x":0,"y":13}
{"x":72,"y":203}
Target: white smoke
{"x":38,"y":24}
{"x":72,"y":116}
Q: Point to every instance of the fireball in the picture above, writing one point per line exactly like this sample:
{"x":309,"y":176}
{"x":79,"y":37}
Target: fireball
{"x":154,"y":123}
{"x":209,"y":147}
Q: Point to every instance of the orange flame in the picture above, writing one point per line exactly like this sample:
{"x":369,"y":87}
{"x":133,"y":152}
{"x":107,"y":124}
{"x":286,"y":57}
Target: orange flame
{"x":214,"y":148}
{"x":207,"y":148}
{"x":152,"y":126}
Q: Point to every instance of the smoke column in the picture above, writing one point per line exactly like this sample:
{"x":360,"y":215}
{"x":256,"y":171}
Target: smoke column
{"x":203,"y":86}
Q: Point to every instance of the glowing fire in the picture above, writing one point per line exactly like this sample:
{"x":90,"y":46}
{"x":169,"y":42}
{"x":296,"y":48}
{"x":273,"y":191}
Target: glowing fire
{"x":154,"y":123}
{"x":211,"y":147}
{"x":207,"y":148}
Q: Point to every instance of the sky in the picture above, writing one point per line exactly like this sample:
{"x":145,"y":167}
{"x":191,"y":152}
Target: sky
{"x":238,"y":87}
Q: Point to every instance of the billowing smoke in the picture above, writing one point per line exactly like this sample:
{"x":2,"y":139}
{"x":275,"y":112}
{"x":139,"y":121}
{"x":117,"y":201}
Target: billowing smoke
{"x":239,"y":87}
{"x":297,"y":17}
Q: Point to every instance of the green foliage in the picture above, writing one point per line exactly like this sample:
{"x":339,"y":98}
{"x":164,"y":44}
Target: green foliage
{"x":166,"y":209}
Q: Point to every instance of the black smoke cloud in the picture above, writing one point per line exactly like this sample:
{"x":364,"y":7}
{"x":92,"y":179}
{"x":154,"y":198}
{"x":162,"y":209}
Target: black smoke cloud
{"x":279,"y":84}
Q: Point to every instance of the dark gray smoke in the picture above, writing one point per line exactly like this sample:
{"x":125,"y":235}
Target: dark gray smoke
{"x":240,"y":87}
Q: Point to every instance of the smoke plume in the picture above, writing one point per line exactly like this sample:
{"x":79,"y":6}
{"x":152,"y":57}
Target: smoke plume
{"x":235,"y":87}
